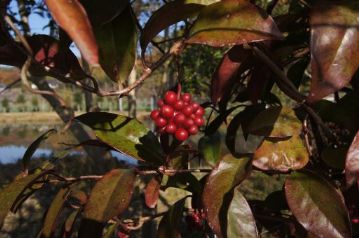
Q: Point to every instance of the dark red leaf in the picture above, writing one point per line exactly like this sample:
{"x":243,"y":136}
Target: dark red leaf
{"x":231,"y":23}
{"x":334,"y":46}
{"x":352,"y":162}
{"x":216,"y":194}
{"x":72,"y":17}
{"x":318,"y":206}
{"x":233,"y":63}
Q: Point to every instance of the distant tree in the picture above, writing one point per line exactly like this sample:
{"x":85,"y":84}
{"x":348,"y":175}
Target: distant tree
{"x":5,"y":104}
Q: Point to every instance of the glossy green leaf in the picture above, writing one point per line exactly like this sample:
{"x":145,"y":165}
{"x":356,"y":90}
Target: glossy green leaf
{"x":352,"y":162}
{"x":217,"y":191}
{"x":287,"y":151}
{"x":334,"y":46}
{"x":168,"y":227}
{"x":318,"y":206}
{"x":232,"y":22}
{"x":125,"y":134}
{"x":233,"y":63}
{"x":117,"y":41}
{"x":53,"y":213}
{"x":33,"y":147}
{"x":169,"y":14}
{"x":210,"y":147}
{"x":13,"y":194}
{"x":100,"y":13}
{"x":241,"y":223}
{"x":110,"y":196}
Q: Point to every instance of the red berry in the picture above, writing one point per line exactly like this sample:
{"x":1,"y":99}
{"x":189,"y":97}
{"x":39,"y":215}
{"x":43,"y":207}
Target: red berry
{"x":199,"y":112}
{"x":193,"y":130}
{"x":195,"y":106}
{"x":170,"y":97}
{"x":181,"y":134}
{"x":188,"y":123}
{"x":154,"y":114}
{"x":171,"y":128}
{"x":186,"y":97}
{"x":187,"y":110}
{"x":162,"y":130}
{"x":179,"y":119}
{"x":160,"y":122}
{"x":160,"y":103}
{"x":167,"y":111}
{"x":199,"y":121}
{"x":178,"y":105}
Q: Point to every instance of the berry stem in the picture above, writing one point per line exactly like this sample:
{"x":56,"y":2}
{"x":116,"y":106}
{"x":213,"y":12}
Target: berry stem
{"x":179,"y":89}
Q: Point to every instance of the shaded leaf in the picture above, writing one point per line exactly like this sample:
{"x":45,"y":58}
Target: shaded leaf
{"x":168,"y":227}
{"x":125,"y":134}
{"x":110,"y":230}
{"x":167,"y":15}
{"x":53,"y":212}
{"x":352,"y":162}
{"x":233,"y":63}
{"x":152,"y":191}
{"x":334,"y":157}
{"x":47,"y":52}
{"x":217,"y":191}
{"x":100,"y":13}
{"x":276,"y":201}
{"x":318,"y":206}
{"x":33,"y":147}
{"x":69,"y":224}
{"x":263,"y":123}
{"x":334,"y":46}
{"x":241,"y":222}
{"x":232,"y":22}
{"x":12,"y":195}
{"x":288,"y":153}
{"x":217,"y":122}
{"x":72,"y":17}
{"x":110,"y":196}
{"x":117,"y":41}
{"x":210,"y":147}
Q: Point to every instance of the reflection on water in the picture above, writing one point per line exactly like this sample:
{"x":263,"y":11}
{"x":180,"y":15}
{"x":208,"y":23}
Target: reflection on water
{"x":14,"y":140}
{"x":10,"y":154}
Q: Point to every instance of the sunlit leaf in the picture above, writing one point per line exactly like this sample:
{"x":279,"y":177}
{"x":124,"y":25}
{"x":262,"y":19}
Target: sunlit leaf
{"x":352,"y":162}
{"x":152,"y":191}
{"x":210,"y":147}
{"x":334,"y":46}
{"x":233,"y":63}
{"x":283,"y":149}
{"x":318,"y":206}
{"x":125,"y":134}
{"x":110,"y":196}
{"x":217,"y":192}
{"x":241,"y":222}
{"x":33,"y":147}
{"x":72,"y":17}
{"x":117,"y":41}
{"x":169,"y":14}
{"x":232,"y":22}
{"x":168,"y":227}
{"x":53,"y":213}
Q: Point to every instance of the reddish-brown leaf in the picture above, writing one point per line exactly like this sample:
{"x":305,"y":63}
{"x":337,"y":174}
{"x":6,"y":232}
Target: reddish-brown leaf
{"x":72,"y":17}
{"x":352,"y":162}
{"x":334,"y":46}
{"x":216,"y":194}
{"x":233,"y":63}
{"x":152,"y":191}
{"x":231,"y":23}
{"x":318,"y":206}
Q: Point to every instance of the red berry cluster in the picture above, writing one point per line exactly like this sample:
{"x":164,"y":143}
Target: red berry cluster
{"x":178,"y":115}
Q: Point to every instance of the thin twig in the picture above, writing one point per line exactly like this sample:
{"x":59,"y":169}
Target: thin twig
{"x":10,"y":85}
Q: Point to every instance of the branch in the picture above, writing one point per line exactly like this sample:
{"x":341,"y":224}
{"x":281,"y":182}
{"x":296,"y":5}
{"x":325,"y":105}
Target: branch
{"x":10,"y":85}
